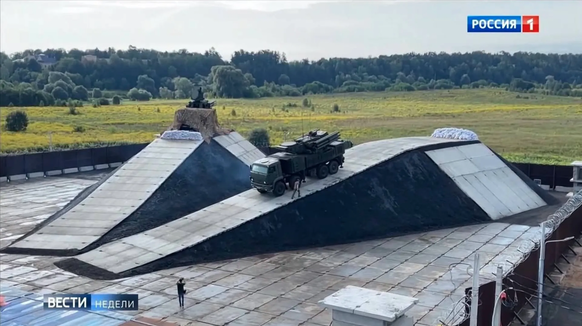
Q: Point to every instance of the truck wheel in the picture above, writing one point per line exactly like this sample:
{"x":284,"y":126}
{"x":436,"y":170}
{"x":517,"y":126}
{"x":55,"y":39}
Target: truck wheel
{"x":322,"y":171}
{"x":279,"y":188}
{"x":292,"y":181}
{"x":333,"y":167}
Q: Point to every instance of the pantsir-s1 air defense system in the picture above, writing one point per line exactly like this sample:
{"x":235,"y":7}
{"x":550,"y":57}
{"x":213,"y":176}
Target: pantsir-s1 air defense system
{"x":315,"y":154}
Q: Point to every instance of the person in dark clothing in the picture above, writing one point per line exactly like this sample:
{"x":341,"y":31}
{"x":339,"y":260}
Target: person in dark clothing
{"x":181,"y":291}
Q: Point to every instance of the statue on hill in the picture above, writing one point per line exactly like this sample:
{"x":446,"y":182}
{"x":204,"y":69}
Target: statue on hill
{"x":200,"y":96}
{"x":200,"y":102}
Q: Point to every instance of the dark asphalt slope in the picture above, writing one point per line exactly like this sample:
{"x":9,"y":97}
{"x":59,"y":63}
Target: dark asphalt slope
{"x":209,"y":175}
{"x":406,"y":194}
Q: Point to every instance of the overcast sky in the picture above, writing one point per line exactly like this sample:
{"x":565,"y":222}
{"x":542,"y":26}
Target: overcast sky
{"x":301,"y":29}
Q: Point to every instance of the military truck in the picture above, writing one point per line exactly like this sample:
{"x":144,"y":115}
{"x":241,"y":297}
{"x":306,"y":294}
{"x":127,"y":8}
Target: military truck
{"x":315,"y":154}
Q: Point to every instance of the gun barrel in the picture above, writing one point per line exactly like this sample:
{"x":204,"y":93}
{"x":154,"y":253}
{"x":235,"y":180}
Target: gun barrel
{"x":326,"y":140}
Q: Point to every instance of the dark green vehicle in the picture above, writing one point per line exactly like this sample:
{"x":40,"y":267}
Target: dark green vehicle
{"x":315,"y":154}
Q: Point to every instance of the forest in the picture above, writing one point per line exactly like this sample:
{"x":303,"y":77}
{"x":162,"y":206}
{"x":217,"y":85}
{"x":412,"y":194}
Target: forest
{"x":56,"y":76}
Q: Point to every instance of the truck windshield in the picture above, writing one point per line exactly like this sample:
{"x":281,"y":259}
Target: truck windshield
{"x":259,"y":169}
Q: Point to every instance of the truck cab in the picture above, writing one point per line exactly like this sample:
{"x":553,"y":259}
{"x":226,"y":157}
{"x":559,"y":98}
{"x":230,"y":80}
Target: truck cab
{"x":265,"y":173}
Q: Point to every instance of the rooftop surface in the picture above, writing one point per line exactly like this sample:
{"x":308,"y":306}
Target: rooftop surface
{"x":272,"y":289}
{"x":125,"y":193}
{"x":113,"y":201}
{"x":137,"y":250}
{"x":24,"y":307}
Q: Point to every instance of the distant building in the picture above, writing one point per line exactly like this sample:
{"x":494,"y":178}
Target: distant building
{"x":89,"y":58}
{"x":44,"y":60}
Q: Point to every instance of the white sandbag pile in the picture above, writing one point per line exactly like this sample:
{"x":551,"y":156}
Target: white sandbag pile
{"x":182,"y":135}
{"x":454,"y":133}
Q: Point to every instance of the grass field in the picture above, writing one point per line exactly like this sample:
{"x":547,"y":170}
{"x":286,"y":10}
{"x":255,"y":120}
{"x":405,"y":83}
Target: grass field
{"x":540,"y":129}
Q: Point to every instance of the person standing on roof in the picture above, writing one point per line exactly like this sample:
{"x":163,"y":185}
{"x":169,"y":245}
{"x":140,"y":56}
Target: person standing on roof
{"x":297,"y":188}
{"x":181,"y":291}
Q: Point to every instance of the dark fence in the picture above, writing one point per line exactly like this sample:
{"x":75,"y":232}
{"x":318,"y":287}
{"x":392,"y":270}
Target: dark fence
{"x":552,"y":175}
{"x":10,"y":165}
{"x":525,"y":275}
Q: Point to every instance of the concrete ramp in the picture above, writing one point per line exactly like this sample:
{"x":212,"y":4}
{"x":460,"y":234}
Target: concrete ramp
{"x":386,"y":188}
{"x":487,"y":180}
{"x":238,"y":146}
{"x":114,"y":200}
{"x":165,"y":181}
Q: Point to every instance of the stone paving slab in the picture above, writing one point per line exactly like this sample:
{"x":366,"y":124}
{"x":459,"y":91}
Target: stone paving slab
{"x":274,"y":290}
{"x":280,"y":288}
{"x":24,"y":204}
{"x":24,"y":308}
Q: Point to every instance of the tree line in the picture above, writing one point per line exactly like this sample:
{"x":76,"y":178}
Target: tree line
{"x":142,"y":74}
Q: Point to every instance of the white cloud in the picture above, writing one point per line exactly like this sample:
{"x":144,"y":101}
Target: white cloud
{"x":311,"y":29}
{"x":143,"y":4}
{"x":265,"y":5}
{"x":269,"y":6}
{"x":72,"y":10}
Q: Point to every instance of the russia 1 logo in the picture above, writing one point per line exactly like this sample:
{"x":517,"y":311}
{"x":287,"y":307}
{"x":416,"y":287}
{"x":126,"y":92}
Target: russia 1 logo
{"x":530,"y":24}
